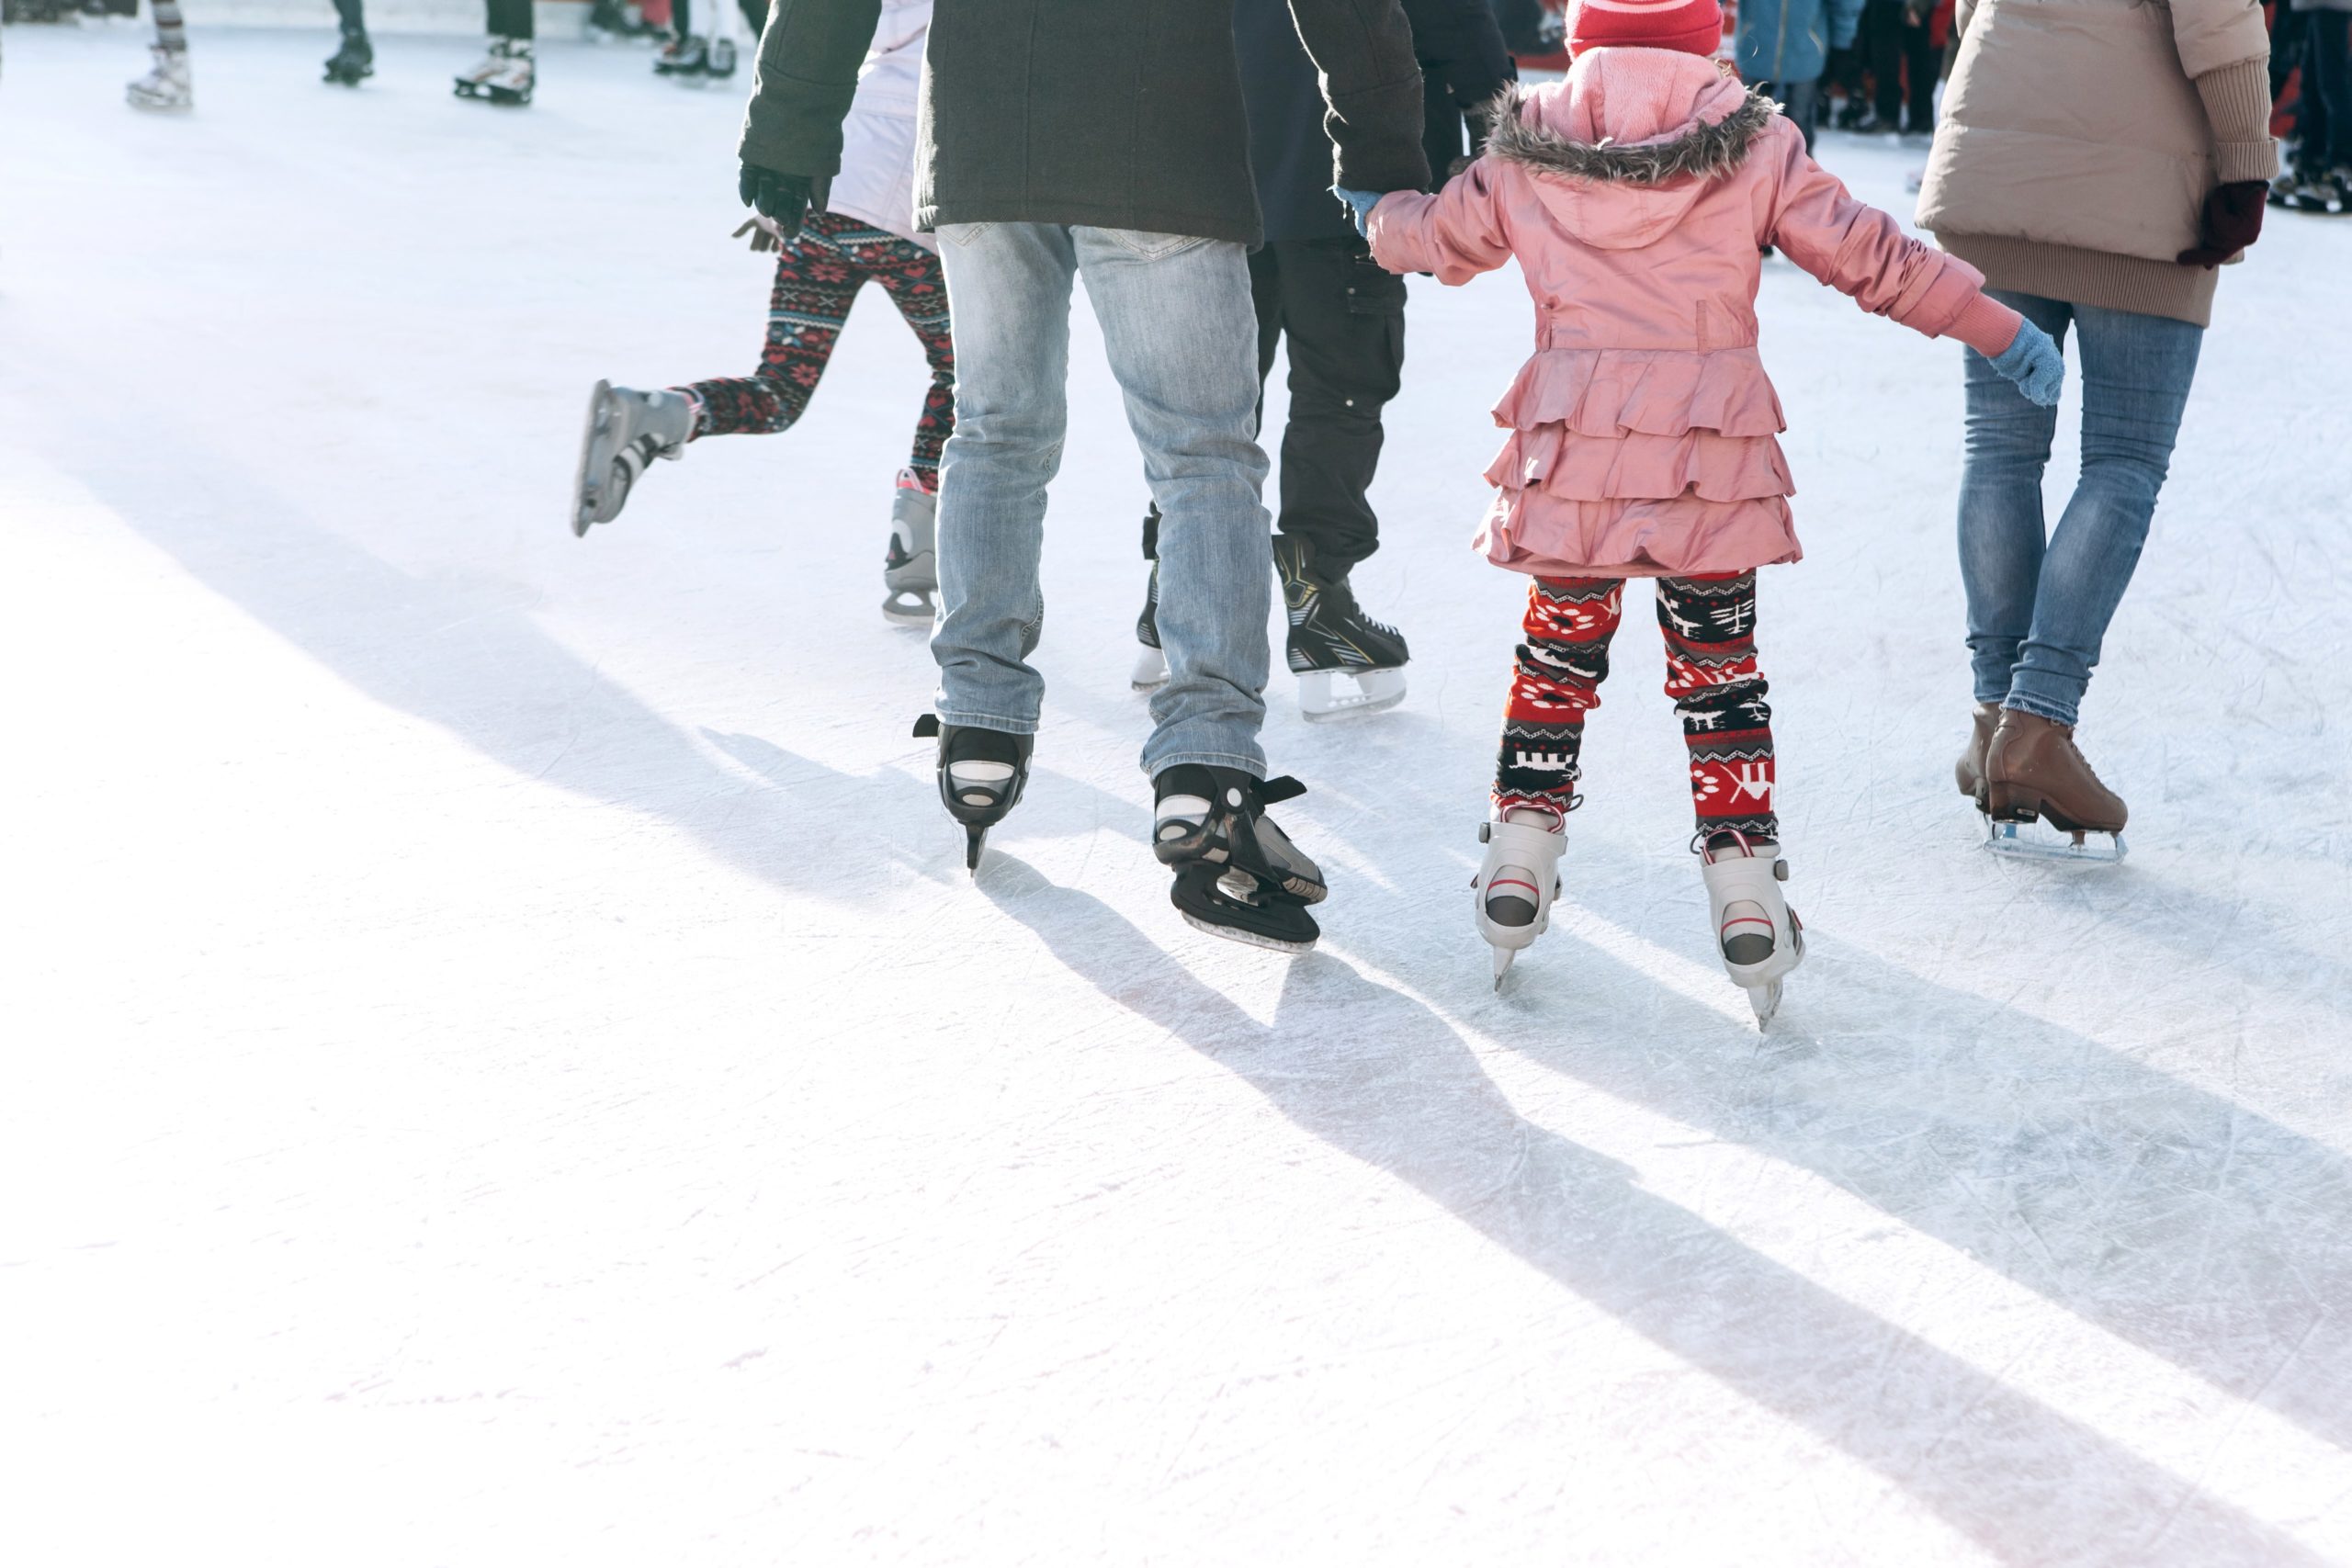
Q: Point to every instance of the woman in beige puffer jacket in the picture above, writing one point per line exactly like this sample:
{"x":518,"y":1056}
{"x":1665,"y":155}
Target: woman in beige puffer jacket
{"x":2097,"y":160}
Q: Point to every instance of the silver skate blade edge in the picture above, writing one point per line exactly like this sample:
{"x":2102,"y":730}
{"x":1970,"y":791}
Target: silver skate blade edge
{"x":1320,"y":699}
{"x":583,"y":487}
{"x":921,"y":616}
{"x":1765,"y":1000}
{"x":2031,"y":840}
{"x":1503,"y":957}
{"x":1248,"y":939}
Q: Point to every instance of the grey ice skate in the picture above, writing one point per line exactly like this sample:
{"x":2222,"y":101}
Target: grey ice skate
{"x":910,"y":569}
{"x":166,"y":89}
{"x":627,"y":430}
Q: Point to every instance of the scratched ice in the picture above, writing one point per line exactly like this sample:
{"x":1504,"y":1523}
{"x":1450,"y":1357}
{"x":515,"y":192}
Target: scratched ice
{"x":505,"y":1065}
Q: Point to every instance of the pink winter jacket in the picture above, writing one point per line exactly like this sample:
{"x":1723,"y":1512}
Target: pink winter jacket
{"x":1639,"y":196}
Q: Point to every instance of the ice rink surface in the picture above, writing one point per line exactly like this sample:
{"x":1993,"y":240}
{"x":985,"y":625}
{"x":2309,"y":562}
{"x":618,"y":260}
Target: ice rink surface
{"x":505,"y":1065}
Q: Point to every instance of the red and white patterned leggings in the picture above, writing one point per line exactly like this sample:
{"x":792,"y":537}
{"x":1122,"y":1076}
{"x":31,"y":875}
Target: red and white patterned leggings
{"x":818,"y":274}
{"x":1710,"y":674}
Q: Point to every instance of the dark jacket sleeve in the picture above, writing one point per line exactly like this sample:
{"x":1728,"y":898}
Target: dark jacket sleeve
{"x":806,"y":77}
{"x":1459,"y":41}
{"x":1372,"y":90}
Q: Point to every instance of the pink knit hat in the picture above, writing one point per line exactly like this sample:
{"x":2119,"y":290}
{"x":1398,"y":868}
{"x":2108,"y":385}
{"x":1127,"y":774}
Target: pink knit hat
{"x":1695,"y":27}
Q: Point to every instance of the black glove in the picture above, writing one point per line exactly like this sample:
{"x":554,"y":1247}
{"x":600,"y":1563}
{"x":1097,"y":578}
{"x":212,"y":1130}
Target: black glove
{"x":782,"y":199}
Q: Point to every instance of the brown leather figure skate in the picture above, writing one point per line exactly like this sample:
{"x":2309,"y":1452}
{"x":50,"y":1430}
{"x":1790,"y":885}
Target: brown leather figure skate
{"x":1969,"y":772}
{"x":2034,"y":771}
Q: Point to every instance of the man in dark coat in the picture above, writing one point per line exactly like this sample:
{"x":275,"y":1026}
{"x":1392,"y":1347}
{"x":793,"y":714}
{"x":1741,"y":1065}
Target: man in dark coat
{"x":1315,"y":281}
{"x":1061,"y":139}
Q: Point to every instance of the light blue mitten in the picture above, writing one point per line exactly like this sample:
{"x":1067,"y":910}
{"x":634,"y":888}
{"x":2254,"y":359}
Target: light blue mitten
{"x":2033,"y":362}
{"x":1360,"y":202}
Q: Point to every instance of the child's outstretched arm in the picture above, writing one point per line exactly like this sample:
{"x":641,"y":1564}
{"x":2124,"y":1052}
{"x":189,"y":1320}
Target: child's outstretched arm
{"x":1862,"y":252}
{"x":1457,"y":233}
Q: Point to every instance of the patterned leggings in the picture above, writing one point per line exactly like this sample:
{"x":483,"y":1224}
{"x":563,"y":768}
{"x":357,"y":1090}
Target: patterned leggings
{"x":1710,"y":674}
{"x":170,"y":32}
{"x":817,"y":279}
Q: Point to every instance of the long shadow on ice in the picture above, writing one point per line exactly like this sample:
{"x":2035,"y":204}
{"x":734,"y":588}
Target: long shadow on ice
{"x":1390,"y":1083}
{"x":460,"y":653}
{"x":2169,"y":1216}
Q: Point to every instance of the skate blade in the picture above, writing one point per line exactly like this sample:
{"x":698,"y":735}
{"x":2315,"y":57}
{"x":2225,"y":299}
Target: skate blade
{"x":1765,"y":1000}
{"x":1503,"y":957}
{"x":2039,"y":841}
{"x":1151,"y":672}
{"x":910,"y":607}
{"x":1248,"y":938}
{"x":974,"y":840}
{"x":1326,"y":694}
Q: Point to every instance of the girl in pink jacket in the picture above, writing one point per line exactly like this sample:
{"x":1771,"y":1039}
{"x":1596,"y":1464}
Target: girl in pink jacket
{"x":1638,"y":196}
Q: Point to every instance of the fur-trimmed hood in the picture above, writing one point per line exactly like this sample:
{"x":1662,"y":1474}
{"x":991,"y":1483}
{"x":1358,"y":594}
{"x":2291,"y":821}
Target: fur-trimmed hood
{"x":1705,"y":150}
{"x":1628,"y":141}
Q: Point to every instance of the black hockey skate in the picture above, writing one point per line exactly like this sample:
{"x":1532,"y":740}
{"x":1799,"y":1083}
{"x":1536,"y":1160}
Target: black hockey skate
{"x":1237,"y":874}
{"x":1151,"y":664}
{"x":681,"y":57}
{"x":1346,"y":662}
{"x":982,"y":774}
{"x":354,"y":62}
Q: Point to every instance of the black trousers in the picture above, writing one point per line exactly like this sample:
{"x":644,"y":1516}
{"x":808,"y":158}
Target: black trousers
{"x":510,"y":19}
{"x":1343,"y":317}
{"x":1904,"y":63}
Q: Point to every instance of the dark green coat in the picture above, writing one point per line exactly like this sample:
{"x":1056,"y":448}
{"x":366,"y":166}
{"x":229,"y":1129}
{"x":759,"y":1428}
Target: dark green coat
{"x":1121,"y":114}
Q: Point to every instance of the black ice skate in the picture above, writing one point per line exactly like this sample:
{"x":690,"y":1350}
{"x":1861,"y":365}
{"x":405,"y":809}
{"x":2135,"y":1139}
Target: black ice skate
{"x":354,"y":62}
{"x":681,"y":57}
{"x":627,"y":430}
{"x":1346,"y":663}
{"x":982,"y":774}
{"x":1237,"y":874}
{"x":1151,"y":664}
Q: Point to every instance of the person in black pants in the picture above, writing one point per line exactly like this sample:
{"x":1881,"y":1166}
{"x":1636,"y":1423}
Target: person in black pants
{"x":356,"y":60}
{"x":1316,"y":286}
{"x":1904,"y":65}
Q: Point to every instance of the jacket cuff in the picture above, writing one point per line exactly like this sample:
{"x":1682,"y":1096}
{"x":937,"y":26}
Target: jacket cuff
{"x":1988,"y":326}
{"x":2237,"y":105}
{"x":1376,"y":137}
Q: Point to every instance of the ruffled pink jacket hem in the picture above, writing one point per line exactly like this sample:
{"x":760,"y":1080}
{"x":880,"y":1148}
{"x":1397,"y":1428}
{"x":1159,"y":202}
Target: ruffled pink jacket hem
{"x":1637,"y":197}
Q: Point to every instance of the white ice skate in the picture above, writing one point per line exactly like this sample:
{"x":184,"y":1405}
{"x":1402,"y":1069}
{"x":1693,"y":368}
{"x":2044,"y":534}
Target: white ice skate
{"x":503,"y":75}
{"x":1511,"y":895}
{"x":1760,"y":938}
{"x":166,"y":89}
{"x":910,"y":569}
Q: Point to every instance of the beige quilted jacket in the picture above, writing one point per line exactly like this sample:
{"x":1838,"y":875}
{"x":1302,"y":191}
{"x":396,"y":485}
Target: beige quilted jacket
{"x":2079,"y":139}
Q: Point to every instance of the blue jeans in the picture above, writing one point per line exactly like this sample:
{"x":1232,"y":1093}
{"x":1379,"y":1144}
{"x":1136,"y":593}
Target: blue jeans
{"x":1183,"y":339}
{"x":2039,"y":604}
